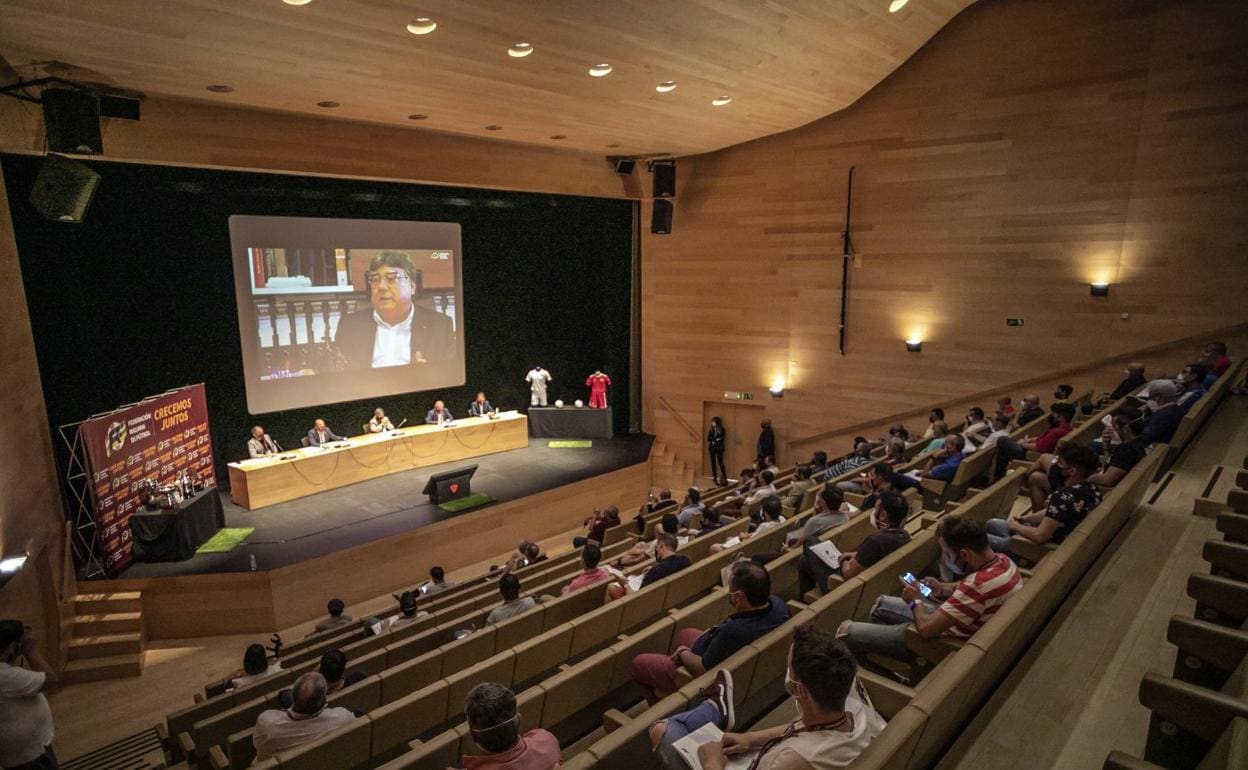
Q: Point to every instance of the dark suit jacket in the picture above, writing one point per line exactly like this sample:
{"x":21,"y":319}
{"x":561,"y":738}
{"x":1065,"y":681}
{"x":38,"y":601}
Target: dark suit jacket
{"x":431,"y":417}
{"x":314,"y":440}
{"x":479,"y":411}
{"x":432,"y":337}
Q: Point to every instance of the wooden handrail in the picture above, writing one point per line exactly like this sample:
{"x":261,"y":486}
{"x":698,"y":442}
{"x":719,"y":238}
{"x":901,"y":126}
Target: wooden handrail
{"x":683,"y":423}
{"x":1204,"y":336}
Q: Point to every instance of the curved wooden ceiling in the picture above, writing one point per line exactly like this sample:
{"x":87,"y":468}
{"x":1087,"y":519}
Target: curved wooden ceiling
{"x":783,"y":62}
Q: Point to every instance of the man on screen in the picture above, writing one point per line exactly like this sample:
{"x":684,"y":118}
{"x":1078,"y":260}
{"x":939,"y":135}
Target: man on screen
{"x":321,"y":434}
{"x":394,"y":331}
{"x":480,"y":407}
{"x":261,"y":443}
{"x":379,"y":422}
{"x":438,"y":415}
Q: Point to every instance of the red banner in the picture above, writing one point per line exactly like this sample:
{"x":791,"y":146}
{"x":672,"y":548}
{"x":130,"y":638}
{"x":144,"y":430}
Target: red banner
{"x":157,"y":439}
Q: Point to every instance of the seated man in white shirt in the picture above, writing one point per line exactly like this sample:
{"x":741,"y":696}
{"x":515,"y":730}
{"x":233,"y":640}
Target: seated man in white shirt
{"x":437,"y":582}
{"x":306,"y":720}
{"x":1000,"y":429}
{"x":732,"y":507}
{"x":380,"y":422}
{"x":25,"y":719}
{"x":408,"y":613}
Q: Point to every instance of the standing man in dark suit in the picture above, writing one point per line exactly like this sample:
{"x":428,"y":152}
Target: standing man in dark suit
{"x":393,"y":331}
{"x":321,"y":434}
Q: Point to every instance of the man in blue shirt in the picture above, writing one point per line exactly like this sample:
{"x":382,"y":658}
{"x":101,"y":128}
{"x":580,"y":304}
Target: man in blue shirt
{"x":1165,"y":415}
{"x":693,"y":506}
{"x":755,"y":612}
{"x":943,"y":465}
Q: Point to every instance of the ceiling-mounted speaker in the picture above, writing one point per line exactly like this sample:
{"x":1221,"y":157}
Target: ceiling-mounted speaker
{"x":624,"y":165}
{"x":661,"y":217}
{"x":664,"y":178}
{"x":71,"y":119}
{"x":63,"y":189}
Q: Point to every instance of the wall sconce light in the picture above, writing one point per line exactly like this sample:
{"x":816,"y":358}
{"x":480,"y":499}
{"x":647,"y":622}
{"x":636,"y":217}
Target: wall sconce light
{"x":11,"y":565}
{"x":914,"y":346}
{"x":776,"y":391}
{"x":1100,"y":289}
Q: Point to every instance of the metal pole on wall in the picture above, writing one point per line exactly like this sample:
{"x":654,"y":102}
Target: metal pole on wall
{"x":847,"y":249}
{"x":634,"y":328}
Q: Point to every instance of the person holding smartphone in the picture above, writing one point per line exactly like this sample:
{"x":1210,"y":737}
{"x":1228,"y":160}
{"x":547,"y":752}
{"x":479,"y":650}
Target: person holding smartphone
{"x":26,"y":739}
{"x":991,"y":579}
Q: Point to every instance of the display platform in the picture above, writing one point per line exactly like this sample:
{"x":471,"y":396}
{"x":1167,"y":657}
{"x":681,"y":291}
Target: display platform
{"x":260,"y":482}
{"x":569,"y":422}
{"x":173,"y":535}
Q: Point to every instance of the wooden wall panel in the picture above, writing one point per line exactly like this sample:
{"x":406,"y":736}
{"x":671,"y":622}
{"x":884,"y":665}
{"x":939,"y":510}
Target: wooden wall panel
{"x":31,"y":516}
{"x":1029,"y":149}
{"x":201,"y":134}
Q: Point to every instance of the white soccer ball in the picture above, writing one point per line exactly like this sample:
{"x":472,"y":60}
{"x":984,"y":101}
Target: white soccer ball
{"x":559,"y":403}
{"x":579,"y":403}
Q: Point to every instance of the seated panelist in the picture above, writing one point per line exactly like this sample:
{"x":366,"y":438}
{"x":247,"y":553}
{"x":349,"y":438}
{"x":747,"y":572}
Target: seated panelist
{"x":261,"y":443}
{"x":321,"y":434}
{"x":380,"y":422}
{"x":480,"y":407}
{"x":438,"y":415}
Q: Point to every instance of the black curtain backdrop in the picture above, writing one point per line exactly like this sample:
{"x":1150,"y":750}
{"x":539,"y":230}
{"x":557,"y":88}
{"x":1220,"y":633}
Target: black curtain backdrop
{"x":139,"y":298}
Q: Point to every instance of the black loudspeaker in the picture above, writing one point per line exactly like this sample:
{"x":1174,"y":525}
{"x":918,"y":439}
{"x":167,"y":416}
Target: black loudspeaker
{"x":661,"y":217}
{"x":72,"y":121}
{"x":63,"y":189}
{"x":624,"y":165}
{"x":665,"y":179}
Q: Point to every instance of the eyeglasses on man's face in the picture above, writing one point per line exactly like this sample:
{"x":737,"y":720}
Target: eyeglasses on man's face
{"x":389,"y":278}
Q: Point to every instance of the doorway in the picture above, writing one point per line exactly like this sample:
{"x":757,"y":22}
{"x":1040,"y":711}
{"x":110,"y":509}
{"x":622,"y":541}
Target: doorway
{"x":741,"y":424}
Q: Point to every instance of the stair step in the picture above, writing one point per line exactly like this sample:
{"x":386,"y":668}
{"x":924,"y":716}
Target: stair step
{"x":117,"y":601}
{"x":105,"y":645}
{"x":94,"y":624}
{"x":108,"y":667}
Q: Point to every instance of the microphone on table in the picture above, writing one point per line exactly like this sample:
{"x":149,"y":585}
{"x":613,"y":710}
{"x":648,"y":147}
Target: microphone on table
{"x":400,"y":425}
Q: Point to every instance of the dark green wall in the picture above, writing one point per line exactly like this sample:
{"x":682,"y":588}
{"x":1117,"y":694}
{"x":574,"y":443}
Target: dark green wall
{"x":139,"y":298}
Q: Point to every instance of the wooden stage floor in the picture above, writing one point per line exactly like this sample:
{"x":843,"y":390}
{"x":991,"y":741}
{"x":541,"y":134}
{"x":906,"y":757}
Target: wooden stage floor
{"x":295,"y":531}
{"x":375,"y":537}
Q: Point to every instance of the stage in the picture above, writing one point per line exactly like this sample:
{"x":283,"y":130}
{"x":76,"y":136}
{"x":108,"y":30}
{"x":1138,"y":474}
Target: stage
{"x":298,"y":530}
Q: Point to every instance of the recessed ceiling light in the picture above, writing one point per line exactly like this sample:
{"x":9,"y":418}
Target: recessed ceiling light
{"x":600,"y":70}
{"x":327,"y":105}
{"x":666,"y":86}
{"x":296,"y":2}
{"x":220,"y":88}
{"x":558,"y":137}
{"x":720,"y":101}
{"x":493,"y":127}
{"x":520,"y":50}
{"x":897,"y":5}
{"x":417,"y":116}
{"x":422,"y":26}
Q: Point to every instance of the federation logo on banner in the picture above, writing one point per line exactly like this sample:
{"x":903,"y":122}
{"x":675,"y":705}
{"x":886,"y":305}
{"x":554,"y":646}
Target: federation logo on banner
{"x":115,"y":439}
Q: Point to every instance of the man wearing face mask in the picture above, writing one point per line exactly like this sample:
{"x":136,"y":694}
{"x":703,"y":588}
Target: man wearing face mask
{"x":888,"y":517}
{"x":1031,"y":410}
{"x":1164,"y":414}
{"x":836,"y":719}
{"x":1191,"y":382}
{"x":26,"y":735}
{"x":494,"y":724}
{"x":754,"y":612}
{"x":1132,"y":380}
{"x":1066,"y":507}
{"x":666,"y":563}
{"x":1060,"y":418}
{"x":990,"y":579}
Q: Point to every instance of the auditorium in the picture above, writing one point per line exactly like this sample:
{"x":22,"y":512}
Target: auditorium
{"x":722,"y":384}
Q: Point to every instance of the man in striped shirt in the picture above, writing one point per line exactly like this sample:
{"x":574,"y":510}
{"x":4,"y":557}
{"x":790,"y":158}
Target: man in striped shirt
{"x":965,"y":606}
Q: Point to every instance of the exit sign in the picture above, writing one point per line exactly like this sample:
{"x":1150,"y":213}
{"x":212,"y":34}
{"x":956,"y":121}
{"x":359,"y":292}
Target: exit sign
{"x":1013,"y":322}
{"x":732,"y":395}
